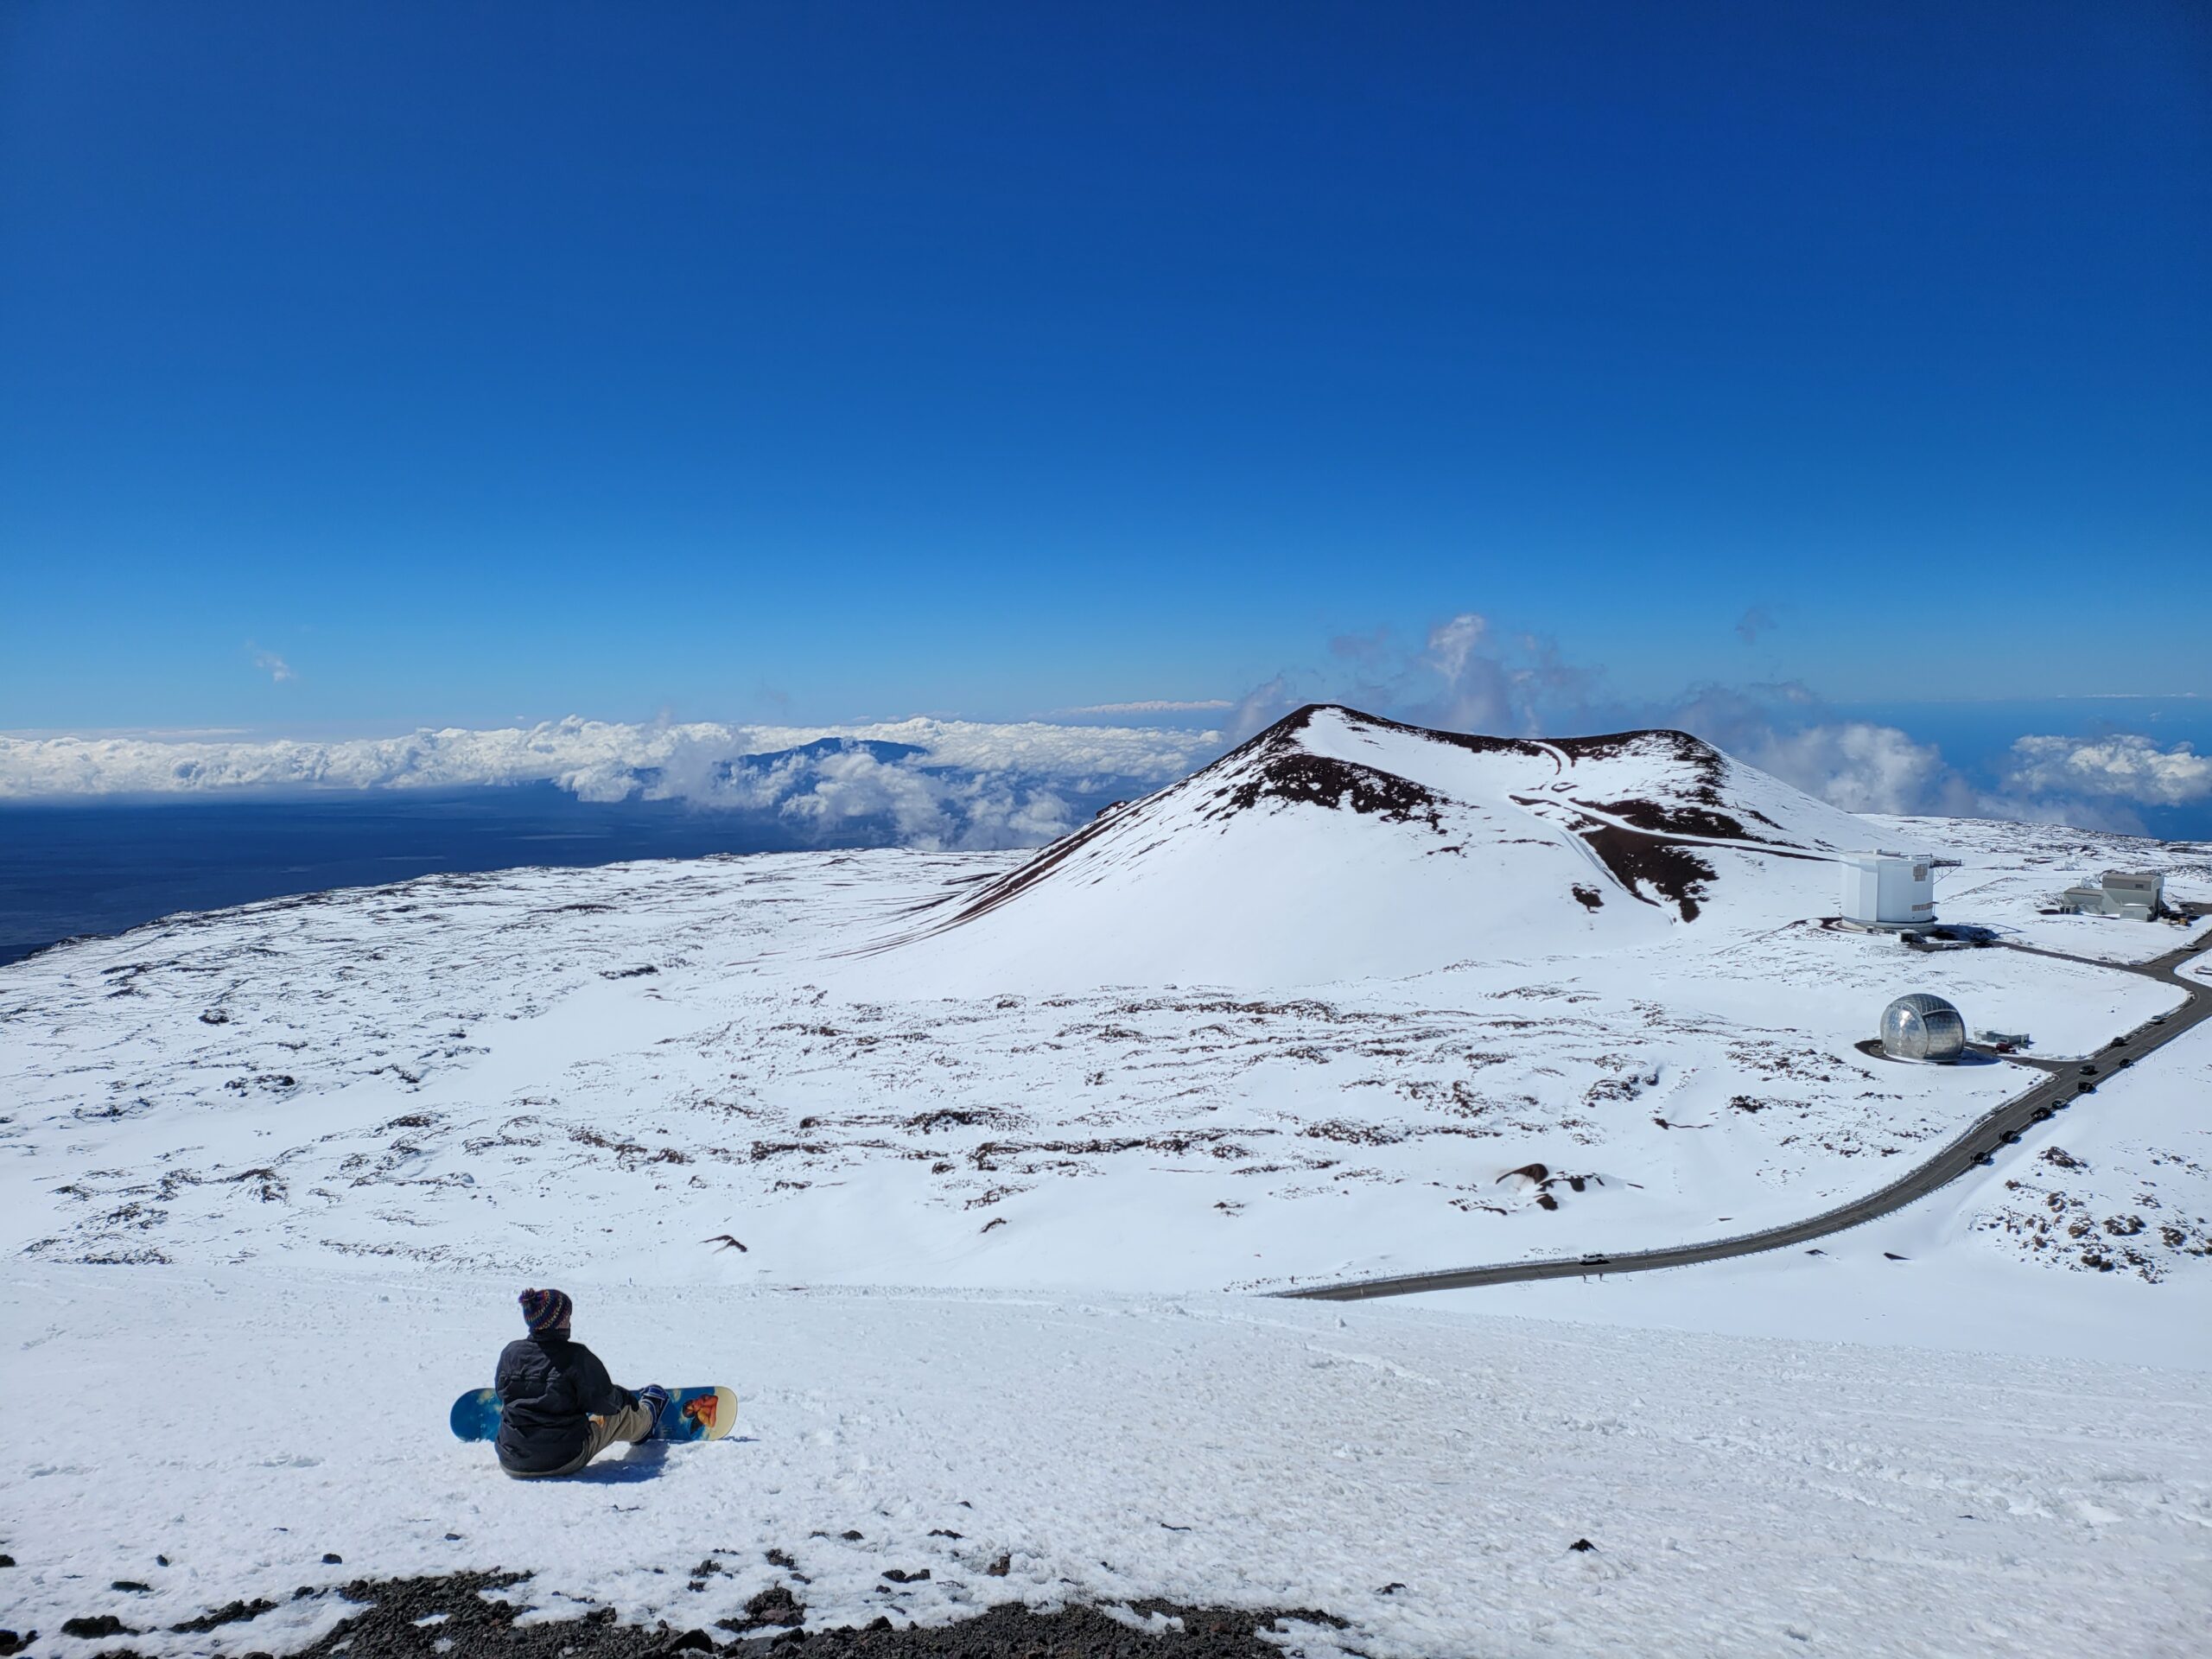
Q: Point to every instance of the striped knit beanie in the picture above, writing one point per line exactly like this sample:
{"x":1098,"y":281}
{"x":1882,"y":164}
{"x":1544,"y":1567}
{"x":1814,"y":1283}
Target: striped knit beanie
{"x":545,"y":1310}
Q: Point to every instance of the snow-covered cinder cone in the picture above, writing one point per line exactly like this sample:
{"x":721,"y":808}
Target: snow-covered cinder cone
{"x":1337,"y":843}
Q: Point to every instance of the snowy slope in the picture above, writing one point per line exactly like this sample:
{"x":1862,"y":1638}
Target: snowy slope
{"x":1333,"y":1008}
{"x":1337,"y":845}
{"x":1419,"y":1475}
{"x":624,"y":1067}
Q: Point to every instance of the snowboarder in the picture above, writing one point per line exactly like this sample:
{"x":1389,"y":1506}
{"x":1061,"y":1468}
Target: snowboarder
{"x":558,"y":1408}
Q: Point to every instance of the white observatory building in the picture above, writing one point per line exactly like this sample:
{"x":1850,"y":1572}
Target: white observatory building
{"x":2137,"y":894}
{"x":1887,"y":889}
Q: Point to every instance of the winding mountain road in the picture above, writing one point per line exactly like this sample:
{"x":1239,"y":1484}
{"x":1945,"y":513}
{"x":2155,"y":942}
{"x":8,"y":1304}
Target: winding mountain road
{"x":1979,"y":1143}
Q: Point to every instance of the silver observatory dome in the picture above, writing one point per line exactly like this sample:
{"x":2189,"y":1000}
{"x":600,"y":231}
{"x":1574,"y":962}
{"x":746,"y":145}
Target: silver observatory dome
{"x":1923,"y":1027}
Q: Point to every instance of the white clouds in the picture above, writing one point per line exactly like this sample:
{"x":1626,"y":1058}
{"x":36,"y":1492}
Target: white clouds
{"x":971,"y":785}
{"x":1862,"y":767}
{"x":276,"y":667}
{"x":599,"y":760}
{"x":920,"y":783}
{"x":2125,"y":767}
{"x":1463,"y":677}
{"x":1478,"y":689}
{"x":1856,"y":764}
{"x":1263,"y":705}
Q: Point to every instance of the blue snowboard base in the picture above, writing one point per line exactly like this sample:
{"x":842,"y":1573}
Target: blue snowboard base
{"x":689,"y":1414}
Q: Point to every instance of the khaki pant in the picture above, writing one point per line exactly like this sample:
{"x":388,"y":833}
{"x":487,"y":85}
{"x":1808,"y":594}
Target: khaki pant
{"x":634,"y":1426}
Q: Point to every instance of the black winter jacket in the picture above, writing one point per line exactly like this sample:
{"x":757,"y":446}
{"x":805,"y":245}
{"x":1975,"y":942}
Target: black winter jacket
{"x":548,"y":1385}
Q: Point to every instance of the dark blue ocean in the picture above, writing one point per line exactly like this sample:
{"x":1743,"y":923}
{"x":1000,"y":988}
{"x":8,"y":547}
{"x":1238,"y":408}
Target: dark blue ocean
{"x":100,"y":867}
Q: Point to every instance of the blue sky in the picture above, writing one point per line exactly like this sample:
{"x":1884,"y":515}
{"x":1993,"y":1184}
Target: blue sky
{"x":835,"y":361}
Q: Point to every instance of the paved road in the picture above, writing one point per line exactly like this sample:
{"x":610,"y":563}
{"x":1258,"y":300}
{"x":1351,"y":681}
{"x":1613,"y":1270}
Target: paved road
{"x":1982,"y":1141}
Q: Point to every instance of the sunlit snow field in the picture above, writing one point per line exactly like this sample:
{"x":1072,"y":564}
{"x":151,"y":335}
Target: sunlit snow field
{"x":962,"y":1213}
{"x":1745,"y":1496}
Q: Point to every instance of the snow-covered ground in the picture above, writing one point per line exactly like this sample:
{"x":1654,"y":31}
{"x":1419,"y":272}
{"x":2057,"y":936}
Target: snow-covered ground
{"x":894,"y":1067}
{"x":1745,"y":1496}
{"x":2041,"y":1254}
{"x":637,"y":1061}
{"x":1355,"y":999}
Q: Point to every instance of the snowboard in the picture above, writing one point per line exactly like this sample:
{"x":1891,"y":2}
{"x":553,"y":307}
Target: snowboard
{"x":689,"y":1414}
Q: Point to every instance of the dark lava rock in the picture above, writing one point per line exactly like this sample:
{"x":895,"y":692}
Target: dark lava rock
{"x":131,"y":1585}
{"x":385,"y":1628}
{"x":775,"y":1605}
{"x":898,"y":1576}
{"x":1013,"y":1632}
{"x":16,"y":1642}
{"x":105,"y":1625}
{"x":231,"y":1614}
{"x":850,"y":1537}
{"x":332,"y":1559}
{"x":9,"y":1561}
{"x":1001,"y":1568}
{"x":1583,"y":1545}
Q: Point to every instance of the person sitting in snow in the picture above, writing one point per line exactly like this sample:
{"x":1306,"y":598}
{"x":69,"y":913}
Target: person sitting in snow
{"x":558,"y":1408}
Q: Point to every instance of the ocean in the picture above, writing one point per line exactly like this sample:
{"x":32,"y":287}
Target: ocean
{"x":102,"y":866}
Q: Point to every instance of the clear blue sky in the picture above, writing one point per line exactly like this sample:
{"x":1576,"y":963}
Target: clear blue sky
{"x":485,"y":360}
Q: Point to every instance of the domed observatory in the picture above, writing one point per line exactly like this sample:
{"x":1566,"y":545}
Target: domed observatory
{"x":1923,"y":1027}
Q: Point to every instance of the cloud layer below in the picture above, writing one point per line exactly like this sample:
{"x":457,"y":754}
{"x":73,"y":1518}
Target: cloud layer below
{"x":922,"y":782}
{"x":961,"y":784}
{"x":2125,"y":767}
